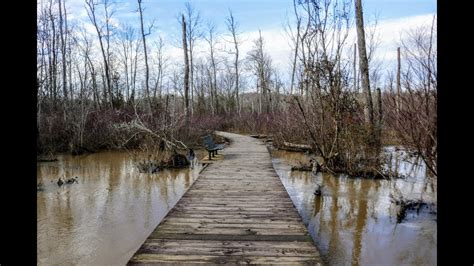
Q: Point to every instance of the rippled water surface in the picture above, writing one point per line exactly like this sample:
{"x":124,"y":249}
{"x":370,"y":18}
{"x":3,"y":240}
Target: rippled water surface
{"x":354,"y":221}
{"x":105,"y":217}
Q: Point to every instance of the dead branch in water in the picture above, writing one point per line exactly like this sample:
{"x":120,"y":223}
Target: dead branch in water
{"x":308,"y":128}
{"x":136,"y":126}
{"x":405,"y":205}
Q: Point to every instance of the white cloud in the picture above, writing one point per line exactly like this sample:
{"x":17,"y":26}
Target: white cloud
{"x":389,"y":33}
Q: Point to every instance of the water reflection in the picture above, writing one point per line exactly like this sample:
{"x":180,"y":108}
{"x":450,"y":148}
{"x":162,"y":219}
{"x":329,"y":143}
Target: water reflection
{"x":104,"y":218}
{"x":353,"y":222}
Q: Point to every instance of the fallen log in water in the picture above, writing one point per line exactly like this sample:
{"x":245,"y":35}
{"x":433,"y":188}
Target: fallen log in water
{"x":295,"y":147}
{"x":260,"y":136}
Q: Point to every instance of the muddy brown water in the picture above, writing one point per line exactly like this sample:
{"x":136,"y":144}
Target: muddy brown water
{"x":105,"y":217}
{"x":354,"y":221}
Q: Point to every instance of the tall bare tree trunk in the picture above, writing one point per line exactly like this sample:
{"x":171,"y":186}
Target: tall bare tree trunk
{"x":356,"y":74}
{"x":214,"y":85}
{"x":378,"y":132}
{"x":236,"y":65}
{"x":193,"y":20}
{"x":69,"y":53}
{"x":63,"y":51}
{"x":186,"y":70}
{"x":364,"y":65}
{"x":92,"y":16}
{"x":210,"y":40}
{"x":191,"y":78}
{"x":147,"y":69}
{"x":134,"y":74}
{"x":232,"y":27}
{"x":54,"y":60}
{"x":398,"y":82}
{"x":107,"y":41}
{"x":298,"y":27}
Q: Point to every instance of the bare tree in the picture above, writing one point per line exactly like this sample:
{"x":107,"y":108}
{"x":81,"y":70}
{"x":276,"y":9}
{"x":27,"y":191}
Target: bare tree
{"x":232,"y":28}
{"x":193,"y":21}
{"x":399,"y":67}
{"x":62,"y":34}
{"x":53,"y":64}
{"x":105,"y":49}
{"x":296,"y":39}
{"x":210,"y":38}
{"x":261,"y":65}
{"x":186,"y":68}
{"x":126,"y":52}
{"x":356,"y":74}
{"x":161,"y":64}
{"x":147,"y":69}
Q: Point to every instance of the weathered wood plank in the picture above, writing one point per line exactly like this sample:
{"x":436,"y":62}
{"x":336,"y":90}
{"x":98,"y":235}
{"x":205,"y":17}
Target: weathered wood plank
{"x":236,"y":212}
{"x":221,"y":237}
{"x":217,"y":219}
{"x":244,"y":245}
{"x":237,"y":216}
{"x":231,"y":231}
{"x":214,"y":259}
{"x":232,"y":248}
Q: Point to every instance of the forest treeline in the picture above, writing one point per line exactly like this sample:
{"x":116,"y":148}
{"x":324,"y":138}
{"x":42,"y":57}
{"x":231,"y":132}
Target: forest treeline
{"x":115,"y":87}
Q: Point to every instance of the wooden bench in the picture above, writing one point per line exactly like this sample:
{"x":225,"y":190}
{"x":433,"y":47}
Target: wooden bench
{"x":212,"y":147}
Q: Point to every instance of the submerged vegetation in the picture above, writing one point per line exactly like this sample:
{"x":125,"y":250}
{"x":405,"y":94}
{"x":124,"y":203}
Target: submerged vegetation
{"x":159,"y":161}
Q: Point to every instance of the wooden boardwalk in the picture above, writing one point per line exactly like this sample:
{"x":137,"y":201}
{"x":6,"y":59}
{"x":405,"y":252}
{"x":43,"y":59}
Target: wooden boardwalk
{"x":236,"y":212}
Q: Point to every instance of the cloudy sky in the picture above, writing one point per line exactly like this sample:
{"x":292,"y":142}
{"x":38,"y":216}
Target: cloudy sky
{"x":270,"y":16}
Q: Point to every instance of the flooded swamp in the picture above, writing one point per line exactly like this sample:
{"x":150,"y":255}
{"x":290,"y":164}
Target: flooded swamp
{"x":104,"y":217}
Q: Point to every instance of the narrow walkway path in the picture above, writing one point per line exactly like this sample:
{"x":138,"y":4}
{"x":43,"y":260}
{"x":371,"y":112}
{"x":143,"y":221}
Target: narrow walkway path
{"x":237,"y":211}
